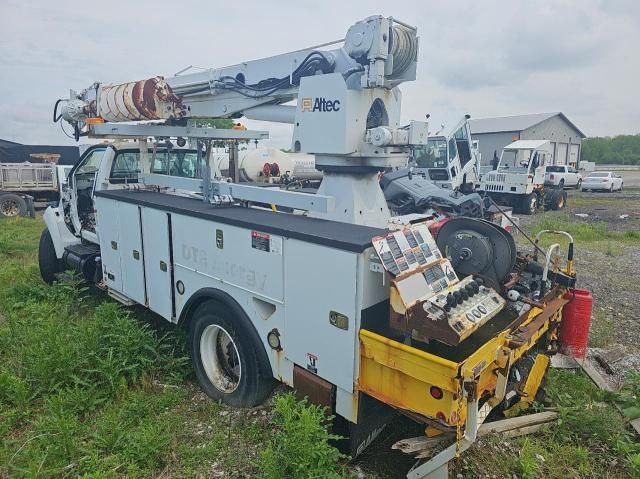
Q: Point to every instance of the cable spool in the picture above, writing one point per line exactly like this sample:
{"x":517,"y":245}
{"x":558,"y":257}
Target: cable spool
{"x":150,"y":99}
{"x":404,"y":48}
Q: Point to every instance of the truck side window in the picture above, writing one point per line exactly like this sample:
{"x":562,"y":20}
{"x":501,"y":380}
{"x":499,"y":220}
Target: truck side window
{"x":452,"y":149}
{"x":90,"y":163}
{"x":126,"y":166}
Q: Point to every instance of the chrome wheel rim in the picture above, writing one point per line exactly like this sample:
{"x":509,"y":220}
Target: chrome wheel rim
{"x":220,"y":358}
{"x":9,"y":207}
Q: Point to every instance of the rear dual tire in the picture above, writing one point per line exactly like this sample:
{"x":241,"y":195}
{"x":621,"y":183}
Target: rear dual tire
{"x":226,"y":356}
{"x":555,"y":199}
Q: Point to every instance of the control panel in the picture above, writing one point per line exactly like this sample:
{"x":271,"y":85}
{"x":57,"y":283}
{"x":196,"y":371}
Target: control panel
{"x":427,"y":298}
{"x":468,"y":305}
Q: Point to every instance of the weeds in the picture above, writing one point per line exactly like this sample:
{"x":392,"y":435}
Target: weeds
{"x":602,"y":330}
{"x":88,"y":390}
{"x":299,"y":447}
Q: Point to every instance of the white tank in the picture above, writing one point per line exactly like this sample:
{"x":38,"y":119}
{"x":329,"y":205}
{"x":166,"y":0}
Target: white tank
{"x":252,"y":160}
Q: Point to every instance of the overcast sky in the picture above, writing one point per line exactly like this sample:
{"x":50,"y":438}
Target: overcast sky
{"x":487,"y":58}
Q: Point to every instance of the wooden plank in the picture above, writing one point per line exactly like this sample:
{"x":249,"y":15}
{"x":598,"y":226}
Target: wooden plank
{"x":591,"y":371}
{"x":417,"y":444}
{"x":517,"y":423}
{"x":560,"y":361}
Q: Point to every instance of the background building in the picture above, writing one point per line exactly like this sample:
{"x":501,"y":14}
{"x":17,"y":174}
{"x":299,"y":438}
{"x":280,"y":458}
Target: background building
{"x":493,"y":134}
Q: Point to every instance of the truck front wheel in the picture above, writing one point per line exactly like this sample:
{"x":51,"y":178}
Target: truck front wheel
{"x":12,"y":205}
{"x":48,"y":262}
{"x":225,"y":359}
{"x":529,"y":204}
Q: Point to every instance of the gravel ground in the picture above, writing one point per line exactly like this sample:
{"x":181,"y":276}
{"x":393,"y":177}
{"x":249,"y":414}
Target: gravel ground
{"x":609,"y":270}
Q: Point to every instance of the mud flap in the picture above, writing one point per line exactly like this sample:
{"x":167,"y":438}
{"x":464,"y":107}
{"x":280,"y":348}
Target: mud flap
{"x":373,"y":417}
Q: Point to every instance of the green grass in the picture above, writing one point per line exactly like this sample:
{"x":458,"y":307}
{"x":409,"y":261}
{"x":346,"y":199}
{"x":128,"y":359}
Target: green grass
{"x":602,"y":330}
{"x":88,"y":389}
{"x":584,"y":232}
{"x":593,"y":199}
{"x":590,"y":440}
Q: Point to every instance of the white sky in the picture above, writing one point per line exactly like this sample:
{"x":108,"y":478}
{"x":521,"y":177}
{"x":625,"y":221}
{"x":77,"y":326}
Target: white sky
{"x":487,"y":58}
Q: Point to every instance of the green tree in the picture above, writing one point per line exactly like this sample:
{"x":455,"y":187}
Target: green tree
{"x":620,"y":150}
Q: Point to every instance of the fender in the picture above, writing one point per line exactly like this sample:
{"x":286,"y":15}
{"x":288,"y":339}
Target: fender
{"x":60,"y":234}
{"x":229,"y":302}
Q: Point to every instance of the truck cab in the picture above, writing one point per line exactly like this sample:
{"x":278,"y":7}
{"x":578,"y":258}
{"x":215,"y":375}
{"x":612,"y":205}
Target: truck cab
{"x":452,"y":160}
{"x":519,"y":178}
{"x":106,"y":167}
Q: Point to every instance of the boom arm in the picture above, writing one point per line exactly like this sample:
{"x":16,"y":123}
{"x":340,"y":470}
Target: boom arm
{"x":377,"y":52}
{"x":347,"y":112}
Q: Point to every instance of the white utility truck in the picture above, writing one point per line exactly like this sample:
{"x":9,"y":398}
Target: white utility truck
{"x":519,"y":178}
{"x":23,"y":183}
{"x":364,"y":313}
{"x":562,"y":176}
{"x":452,"y":160}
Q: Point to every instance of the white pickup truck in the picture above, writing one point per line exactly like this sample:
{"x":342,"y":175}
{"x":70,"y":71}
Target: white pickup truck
{"x":562,"y":176}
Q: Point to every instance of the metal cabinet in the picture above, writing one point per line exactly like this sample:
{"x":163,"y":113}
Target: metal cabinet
{"x":157,"y":261}
{"x":131,"y":253}
{"x":108,"y":232}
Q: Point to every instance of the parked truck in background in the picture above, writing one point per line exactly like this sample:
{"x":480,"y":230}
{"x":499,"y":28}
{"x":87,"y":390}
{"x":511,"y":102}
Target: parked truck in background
{"x":519,"y":179}
{"x":23,"y":184}
{"x":562,"y":176}
{"x":450,"y":160}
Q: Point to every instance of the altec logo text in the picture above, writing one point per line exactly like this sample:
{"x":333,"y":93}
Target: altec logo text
{"x":320,"y":104}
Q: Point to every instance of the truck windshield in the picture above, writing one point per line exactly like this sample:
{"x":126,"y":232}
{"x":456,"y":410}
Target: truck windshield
{"x":432,"y":155}
{"x":555,"y":169}
{"x":515,"y":160}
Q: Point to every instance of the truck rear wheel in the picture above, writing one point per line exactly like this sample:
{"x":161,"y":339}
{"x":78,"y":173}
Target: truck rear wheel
{"x":12,"y":205}
{"x":225,"y":358}
{"x":48,"y":262}
{"x":555,"y":199}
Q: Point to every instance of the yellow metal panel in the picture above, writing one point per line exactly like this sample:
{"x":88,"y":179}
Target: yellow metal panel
{"x":403,"y":391}
{"x":410,"y":361}
{"x":531,"y":386}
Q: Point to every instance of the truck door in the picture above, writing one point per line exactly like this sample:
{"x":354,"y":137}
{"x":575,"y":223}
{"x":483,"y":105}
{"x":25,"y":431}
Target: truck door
{"x":81,"y":180}
{"x":158,"y":264}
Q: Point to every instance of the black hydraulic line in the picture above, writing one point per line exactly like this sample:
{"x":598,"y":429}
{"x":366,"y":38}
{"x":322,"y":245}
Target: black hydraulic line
{"x":517,"y":226}
{"x":56,"y":119}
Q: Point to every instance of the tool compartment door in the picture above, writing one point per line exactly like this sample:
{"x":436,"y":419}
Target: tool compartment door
{"x":108,"y":229}
{"x":131,"y":254}
{"x":156,"y":236}
{"x":321,"y":284}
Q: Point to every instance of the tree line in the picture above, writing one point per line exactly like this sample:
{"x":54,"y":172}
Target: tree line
{"x":616,"y":150}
